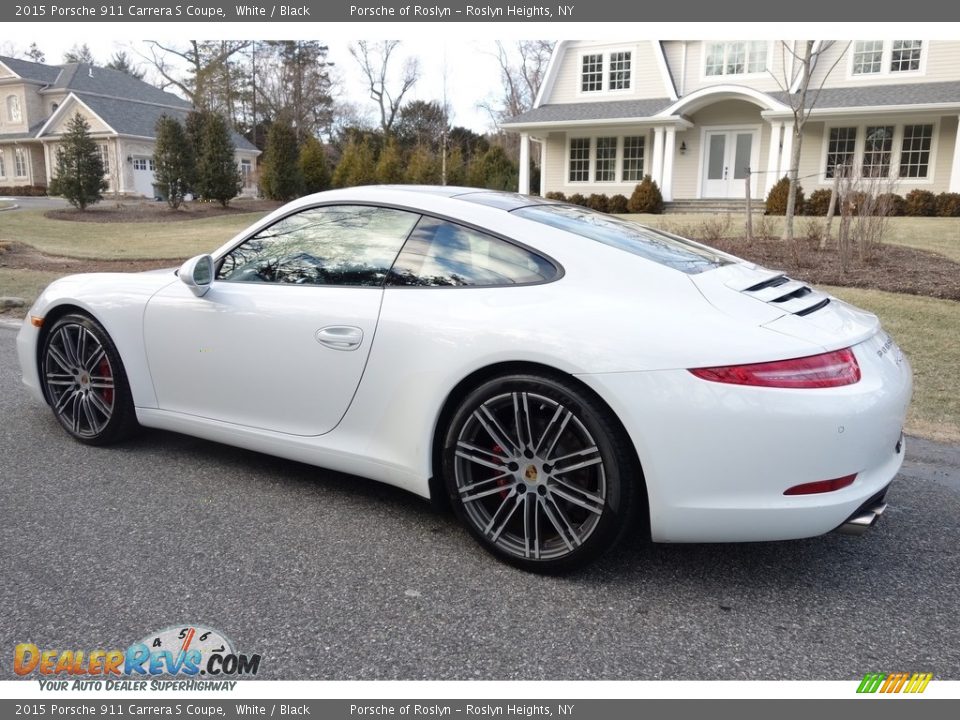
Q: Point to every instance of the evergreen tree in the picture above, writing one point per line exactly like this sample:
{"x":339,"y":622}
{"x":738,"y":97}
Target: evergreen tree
{"x":281,"y":178}
{"x":174,"y":164}
{"x":122,"y":62}
{"x":493,"y":170}
{"x":314,"y":166}
{"x":390,"y":164}
{"x":79,"y":54}
{"x":218,"y":177}
{"x":423,"y":168}
{"x":356,"y":166}
{"x":36,"y":54}
{"x":79,"y":165}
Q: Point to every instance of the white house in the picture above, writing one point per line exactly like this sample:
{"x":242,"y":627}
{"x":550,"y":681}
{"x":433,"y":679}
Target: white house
{"x":696,"y":114}
{"x":37,"y":101}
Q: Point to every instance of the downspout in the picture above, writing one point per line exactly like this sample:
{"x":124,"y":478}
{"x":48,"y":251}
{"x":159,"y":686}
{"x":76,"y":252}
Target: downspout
{"x":683,"y":70}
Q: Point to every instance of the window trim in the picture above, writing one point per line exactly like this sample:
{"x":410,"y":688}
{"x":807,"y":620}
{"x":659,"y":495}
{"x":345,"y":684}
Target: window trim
{"x":3,"y":162}
{"x":18,"y":153}
{"x":605,"y":54}
{"x":886,"y":58}
{"x":9,"y":109}
{"x":219,"y":256}
{"x":897,"y":150}
{"x":744,"y":75}
{"x":618,"y":160}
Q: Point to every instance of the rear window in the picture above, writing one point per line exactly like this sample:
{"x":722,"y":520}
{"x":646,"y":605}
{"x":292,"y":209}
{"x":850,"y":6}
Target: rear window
{"x":660,"y":247}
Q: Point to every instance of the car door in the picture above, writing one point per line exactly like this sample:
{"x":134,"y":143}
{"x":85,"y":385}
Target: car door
{"x":281,"y":339}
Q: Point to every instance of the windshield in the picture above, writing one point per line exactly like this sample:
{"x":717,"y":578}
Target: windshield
{"x":660,"y":247}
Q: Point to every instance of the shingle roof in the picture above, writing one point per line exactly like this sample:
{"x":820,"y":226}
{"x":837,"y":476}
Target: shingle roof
{"x":610,"y":110}
{"x":129,"y":117}
{"x":31,"y":70}
{"x":84,"y":78}
{"x":879,"y":95}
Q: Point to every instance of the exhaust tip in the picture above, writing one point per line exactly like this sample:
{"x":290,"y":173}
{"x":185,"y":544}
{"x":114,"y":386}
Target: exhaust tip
{"x":862,"y":520}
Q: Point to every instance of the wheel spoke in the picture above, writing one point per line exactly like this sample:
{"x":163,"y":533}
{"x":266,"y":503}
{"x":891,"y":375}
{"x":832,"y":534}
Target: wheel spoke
{"x":557,"y":434}
{"x":521,"y":418}
{"x":531,"y":528}
{"x":88,"y":413}
{"x":75,"y":413}
{"x":100,"y":404}
{"x":95,"y":357}
{"x":58,"y":358}
{"x":496,"y":432}
{"x":472,"y":453}
{"x":81,"y":347}
{"x":62,"y":401}
{"x":55,"y":378}
{"x":579,"y":497}
{"x":577,"y":466}
{"x":553,"y":511}
{"x":501,"y":524}
{"x":69,"y":345}
{"x":483,"y":493}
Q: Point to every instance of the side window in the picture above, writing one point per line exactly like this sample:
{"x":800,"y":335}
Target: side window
{"x":335,"y":245}
{"x":443,"y":254}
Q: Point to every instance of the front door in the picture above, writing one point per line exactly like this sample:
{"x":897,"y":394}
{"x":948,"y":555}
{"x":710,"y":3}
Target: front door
{"x":728,"y":157}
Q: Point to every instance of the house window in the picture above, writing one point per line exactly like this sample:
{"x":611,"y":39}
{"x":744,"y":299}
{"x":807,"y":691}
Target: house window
{"x":877,"y":57}
{"x":246,"y":169}
{"x":876,"y":151}
{"x":605,"y":165}
{"x":905,"y":55}
{"x":592,"y":73}
{"x":579,"y":160}
{"x":13,"y":109}
{"x":105,"y":158}
{"x":620,"y":71}
{"x":840,"y":150}
{"x":915,"y":151}
{"x":20,"y":162}
{"x":633,"y":159}
{"x":735,"y":58}
{"x":867,"y":57}
{"x":142,"y":163}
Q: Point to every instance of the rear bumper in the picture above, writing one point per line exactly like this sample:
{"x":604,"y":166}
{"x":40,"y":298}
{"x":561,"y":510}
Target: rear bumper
{"x":717,"y":458}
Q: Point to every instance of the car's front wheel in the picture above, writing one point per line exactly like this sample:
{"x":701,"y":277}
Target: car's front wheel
{"x":84,"y":381}
{"x":539,"y":472}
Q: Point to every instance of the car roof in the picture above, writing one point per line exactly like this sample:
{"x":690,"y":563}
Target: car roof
{"x":500,"y":199}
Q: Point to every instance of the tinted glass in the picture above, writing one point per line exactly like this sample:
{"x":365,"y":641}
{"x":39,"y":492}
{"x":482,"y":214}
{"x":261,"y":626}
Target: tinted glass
{"x":338,"y":245}
{"x":660,"y":247}
{"x":443,"y":254}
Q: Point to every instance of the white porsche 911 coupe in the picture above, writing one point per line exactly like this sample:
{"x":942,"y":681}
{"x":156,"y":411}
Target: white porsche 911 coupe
{"x":557,"y":374}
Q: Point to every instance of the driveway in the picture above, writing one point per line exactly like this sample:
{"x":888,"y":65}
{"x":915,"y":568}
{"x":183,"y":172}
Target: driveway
{"x":330,"y":576}
{"x":37,"y":203}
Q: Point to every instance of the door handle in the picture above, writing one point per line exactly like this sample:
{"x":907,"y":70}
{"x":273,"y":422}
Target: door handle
{"x":340,"y":337}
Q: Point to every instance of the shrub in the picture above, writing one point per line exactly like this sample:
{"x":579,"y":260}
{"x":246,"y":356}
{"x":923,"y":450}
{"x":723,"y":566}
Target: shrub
{"x":890,"y":204}
{"x":577,"y":199}
{"x":921,"y":203}
{"x":646,"y":198}
{"x":948,"y":204}
{"x":29,"y":190}
{"x":80,"y":166}
{"x":218,"y":177}
{"x":618,"y":204}
{"x":281,"y":178}
{"x":555,"y":195}
{"x":818,"y":203}
{"x":777,"y":198}
{"x":598,"y":202}
{"x":173,"y":159}
{"x":314,"y":167}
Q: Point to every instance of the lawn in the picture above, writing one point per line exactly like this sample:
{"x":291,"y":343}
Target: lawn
{"x":26,"y":284}
{"x":170,"y":240}
{"x":927,"y":330}
{"x":939,"y":235}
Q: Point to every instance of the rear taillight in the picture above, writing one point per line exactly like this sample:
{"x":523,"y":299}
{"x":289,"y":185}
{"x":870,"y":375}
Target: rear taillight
{"x":831,"y":369}
{"x":821,"y":486}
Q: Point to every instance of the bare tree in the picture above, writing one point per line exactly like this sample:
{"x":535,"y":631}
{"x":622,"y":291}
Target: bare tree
{"x":207,"y":66}
{"x":374,"y":61}
{"x":795,"y":81}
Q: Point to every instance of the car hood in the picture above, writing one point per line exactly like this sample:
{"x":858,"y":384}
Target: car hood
{"x":772,"y":300}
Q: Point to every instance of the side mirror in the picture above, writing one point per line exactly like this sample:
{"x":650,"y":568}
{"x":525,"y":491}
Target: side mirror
{"x":197,"y":274}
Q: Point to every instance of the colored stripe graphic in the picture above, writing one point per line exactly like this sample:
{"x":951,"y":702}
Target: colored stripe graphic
{"x":895,"y":683}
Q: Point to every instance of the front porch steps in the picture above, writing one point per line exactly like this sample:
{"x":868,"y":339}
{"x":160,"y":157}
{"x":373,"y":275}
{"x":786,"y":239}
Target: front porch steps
{"x":712,"y":206}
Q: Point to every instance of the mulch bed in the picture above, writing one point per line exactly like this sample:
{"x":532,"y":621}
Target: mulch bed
{"x":150,"y":211}
{"x":17,"y":256}
{"x":896,"y":269}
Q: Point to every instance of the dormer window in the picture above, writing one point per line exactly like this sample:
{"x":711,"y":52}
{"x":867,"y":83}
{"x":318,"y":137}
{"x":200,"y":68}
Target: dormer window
{"x":737,"y":57}
{"x":13,"y":109}
{"x":611,"y":71}
{"x":882,"y":57}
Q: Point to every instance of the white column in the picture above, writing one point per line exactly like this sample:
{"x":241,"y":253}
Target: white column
{"x":955,"y":169}
{"x":543,"y":166}
{"x":656,"y":167}
{"x":524,"y":183}
{"x":786,"y":155}
{"x":773,"y":161}
{"x":669,"y":148}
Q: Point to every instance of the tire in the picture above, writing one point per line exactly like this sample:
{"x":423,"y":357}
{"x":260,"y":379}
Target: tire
{"x":552,"y":496}
{"x":84,"y":381}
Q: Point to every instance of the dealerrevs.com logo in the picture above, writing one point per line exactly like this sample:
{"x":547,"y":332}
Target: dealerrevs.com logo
{"x":185,"y":651}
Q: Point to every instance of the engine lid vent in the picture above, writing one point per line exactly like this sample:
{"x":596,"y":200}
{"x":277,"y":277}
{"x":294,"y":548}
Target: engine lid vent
{"x":786,"y":294}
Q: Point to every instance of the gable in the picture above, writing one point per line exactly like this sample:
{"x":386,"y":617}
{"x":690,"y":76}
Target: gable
{"x":57,"y":123}
{"x":647,"y":77}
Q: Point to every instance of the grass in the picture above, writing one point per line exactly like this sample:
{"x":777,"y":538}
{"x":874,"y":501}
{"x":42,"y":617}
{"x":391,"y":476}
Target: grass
{"x":927,"y":330}
{"x":129,"y":241}
{"x":26,"y":284}
{"x":939,"y":235}
{"x":4,"y":204}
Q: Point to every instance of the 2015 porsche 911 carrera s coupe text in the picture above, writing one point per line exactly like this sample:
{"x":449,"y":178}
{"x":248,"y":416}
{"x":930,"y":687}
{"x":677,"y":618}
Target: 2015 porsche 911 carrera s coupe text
{"x":558,"y":374}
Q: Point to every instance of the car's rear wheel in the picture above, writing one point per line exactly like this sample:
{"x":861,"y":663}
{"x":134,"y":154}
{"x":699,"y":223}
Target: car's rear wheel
{"x":539,"y":472}
{"x":84,"y":381}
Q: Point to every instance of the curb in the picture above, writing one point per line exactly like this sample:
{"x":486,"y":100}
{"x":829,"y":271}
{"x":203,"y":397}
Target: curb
{"x":10,"y":324}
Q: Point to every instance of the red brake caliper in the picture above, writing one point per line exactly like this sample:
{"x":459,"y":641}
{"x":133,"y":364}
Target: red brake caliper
{"x":107,"y":393}
{"x":497,"y":450}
